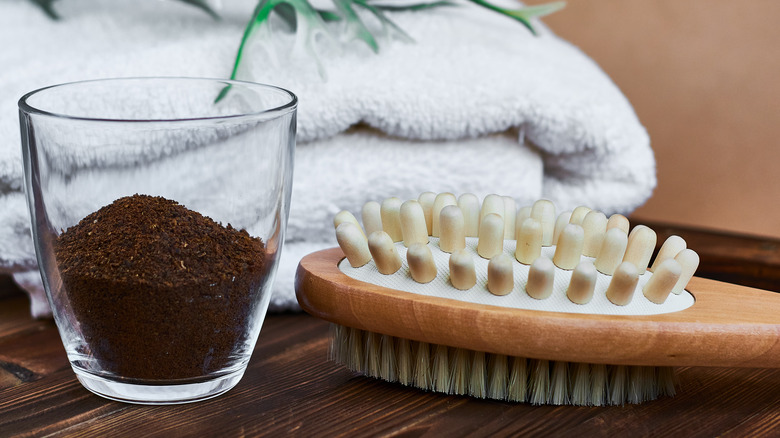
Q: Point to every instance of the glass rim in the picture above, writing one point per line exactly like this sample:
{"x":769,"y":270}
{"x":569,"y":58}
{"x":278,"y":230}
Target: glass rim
{"x":287,"y":107}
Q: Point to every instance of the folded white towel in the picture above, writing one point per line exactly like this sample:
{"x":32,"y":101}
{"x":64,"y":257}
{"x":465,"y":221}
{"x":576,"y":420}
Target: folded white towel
{"x":476,"y":105}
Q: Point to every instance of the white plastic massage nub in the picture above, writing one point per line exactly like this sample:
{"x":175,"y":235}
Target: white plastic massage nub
{"x":353,"y":243}
{"x":669,"y":250}
{"x":500,"y":275}
{"x":510,"y":217}
{"x":582,"y":283}
{"x":492,"y":204}
{"x":372,"y":217}
{"x":529,"y":241}
{"x":613,"y":248}
{"x":390,"y":211}
{"x":442,"y":200}
{"x":579,"y":214}
{"x":618,"y":221}
{"x":569,"y":248}
{"x":426,"y":200}
{"x":384,"y":253}
{"x":641,"y":244}
{"x":623,"y":284}
{"x":522,"y":214}
{"x":663,"y":280}
{"x":463,"y":274}
{"x":469,"y":206}
{"x":540,"y":279}
{"x":594,"y":225}
{"x":544,"y":212}
{"x":491,"y":236}
{"x":560,"y":224}
{"x":453,"y":236}
{"x":421,"y":265}
{"x":345,"y":216}
{"x":689,"y":261}
{"x":413,"y":227}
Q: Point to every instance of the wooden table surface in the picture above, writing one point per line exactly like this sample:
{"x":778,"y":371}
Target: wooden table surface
{"x":291,"y":389}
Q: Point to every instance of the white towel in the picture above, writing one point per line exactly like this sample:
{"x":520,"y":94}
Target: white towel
{"x":476,"y":104}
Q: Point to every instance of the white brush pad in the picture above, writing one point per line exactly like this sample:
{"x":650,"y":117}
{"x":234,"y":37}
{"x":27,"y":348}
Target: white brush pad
{"x":518,"y":298}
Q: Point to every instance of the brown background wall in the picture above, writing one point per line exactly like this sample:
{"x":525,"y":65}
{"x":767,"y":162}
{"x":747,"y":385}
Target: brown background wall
{"x":704,"y":78}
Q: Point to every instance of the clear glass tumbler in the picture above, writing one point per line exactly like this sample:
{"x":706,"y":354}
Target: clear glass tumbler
{"x":159,"y":208}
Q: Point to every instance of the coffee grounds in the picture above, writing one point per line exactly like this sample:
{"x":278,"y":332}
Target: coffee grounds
{"x":160,"y":291}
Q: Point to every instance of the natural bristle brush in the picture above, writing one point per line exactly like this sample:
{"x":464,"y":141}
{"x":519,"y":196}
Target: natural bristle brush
{"x":483,"y":299}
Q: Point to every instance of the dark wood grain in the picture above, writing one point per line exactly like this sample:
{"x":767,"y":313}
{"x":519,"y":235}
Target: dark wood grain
{"x":290,"y":389}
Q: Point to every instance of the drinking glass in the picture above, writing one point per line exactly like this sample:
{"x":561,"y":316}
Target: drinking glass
{"x":158,"y":208}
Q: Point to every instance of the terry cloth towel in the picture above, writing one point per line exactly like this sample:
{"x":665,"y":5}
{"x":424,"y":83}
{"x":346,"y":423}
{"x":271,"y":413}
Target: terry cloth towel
{"x":476,"y":104}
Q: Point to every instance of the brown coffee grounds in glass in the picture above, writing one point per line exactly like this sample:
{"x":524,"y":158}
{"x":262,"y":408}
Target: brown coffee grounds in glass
{"x":160,"y":291}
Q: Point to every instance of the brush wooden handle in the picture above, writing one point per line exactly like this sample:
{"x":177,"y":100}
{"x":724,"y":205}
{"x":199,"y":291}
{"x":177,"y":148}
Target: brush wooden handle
{"x":728,"y":325}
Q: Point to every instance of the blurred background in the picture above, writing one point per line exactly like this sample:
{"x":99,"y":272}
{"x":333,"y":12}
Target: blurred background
{"x":703,"y":77}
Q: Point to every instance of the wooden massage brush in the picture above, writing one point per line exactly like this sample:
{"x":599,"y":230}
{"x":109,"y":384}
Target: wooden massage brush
{"x":448,"y":295}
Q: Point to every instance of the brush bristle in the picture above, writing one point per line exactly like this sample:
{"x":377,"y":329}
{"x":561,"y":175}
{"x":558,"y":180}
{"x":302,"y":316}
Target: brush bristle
{"x":405,"y":360}
{"x":485,"y":375}
{"x":518,"y":380}
{"x":422,"y":366}
{"x":440,"y":374}
{"x":499,"y":381}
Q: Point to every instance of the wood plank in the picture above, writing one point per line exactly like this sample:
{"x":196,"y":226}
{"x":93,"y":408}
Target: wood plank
{"x":291,"y":389}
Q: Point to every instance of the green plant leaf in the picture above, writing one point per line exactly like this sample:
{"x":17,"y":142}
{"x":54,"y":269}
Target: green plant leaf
{"x":386,"y":22}
{"x":260,"y":14}
{"x":524,"y":21}
{"x":413,"y":7}
{"x":47,"y":7}
{"x":523,"y":15}
{"x":311,"y":23}
{"x":355,"y":25}
{"x":529,"y":12}
{"x":287,"y":14}
{"x":222,"y":93}
{"x":301,"y":16}
{"x":328,"y":16}
{"x":202,"y":5}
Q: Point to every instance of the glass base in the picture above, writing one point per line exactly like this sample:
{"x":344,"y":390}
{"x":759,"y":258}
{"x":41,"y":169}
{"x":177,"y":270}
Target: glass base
{"x":158,"y":394}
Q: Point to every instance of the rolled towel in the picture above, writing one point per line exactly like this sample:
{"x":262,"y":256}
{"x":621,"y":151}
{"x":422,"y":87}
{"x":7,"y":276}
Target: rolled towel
{"x":476,"y":104}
